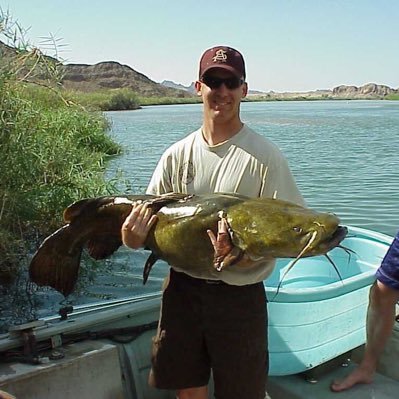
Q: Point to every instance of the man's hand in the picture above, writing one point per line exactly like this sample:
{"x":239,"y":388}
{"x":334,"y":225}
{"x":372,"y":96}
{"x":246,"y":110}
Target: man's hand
{"x":5,"y":395}
{"x":225,"y":252}
{"x":137,"y":225}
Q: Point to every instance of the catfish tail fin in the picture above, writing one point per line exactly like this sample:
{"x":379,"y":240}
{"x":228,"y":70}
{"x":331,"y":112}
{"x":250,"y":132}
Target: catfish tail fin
{"x":56,"y":262}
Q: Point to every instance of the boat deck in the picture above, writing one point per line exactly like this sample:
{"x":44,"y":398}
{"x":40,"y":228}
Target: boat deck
{"x":95,"y":371}
{"x":296,"y":387}
{"x":384,"y":386}
{"x":118,"y":369}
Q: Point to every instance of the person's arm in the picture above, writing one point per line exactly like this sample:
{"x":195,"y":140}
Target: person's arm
{"x":137,"y":225}
{"x":6,"y":395}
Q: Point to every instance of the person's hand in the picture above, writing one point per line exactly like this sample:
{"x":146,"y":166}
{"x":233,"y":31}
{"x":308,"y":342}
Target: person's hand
{"x":225,"y":252}
{"x":137,"y":225}
{"x":5,"y":395}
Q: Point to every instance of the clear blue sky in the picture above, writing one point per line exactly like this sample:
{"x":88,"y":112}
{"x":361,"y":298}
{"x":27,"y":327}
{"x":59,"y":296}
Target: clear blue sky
{"x":288,"y":45}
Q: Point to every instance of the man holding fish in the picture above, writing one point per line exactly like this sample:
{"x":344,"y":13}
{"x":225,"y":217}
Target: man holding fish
{"x":215,"y":322}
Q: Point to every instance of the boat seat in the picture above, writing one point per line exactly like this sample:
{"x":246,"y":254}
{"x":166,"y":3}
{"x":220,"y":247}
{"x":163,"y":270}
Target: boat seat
{"x":135,"y":359}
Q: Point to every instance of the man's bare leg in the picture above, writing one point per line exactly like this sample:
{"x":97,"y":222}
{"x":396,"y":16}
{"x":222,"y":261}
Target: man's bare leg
{"x":193,"y":393}
{"x":380,"y":321}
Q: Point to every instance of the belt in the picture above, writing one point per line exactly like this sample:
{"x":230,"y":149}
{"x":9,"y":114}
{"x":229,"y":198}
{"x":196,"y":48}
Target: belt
{"x":194,"y":280}
{"x":214,"y":282}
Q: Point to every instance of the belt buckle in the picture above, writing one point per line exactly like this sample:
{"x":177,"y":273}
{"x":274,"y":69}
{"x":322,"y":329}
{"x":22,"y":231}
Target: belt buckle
{"x":213,"y":282}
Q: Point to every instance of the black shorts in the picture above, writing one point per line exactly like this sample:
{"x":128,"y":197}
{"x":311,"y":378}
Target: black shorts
{"x":208,"y":325}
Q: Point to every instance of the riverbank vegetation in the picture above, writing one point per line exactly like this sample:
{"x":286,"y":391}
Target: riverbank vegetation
{"x":168,"y":100}
{"x":53,"y":152}
{"x":108,"y":100}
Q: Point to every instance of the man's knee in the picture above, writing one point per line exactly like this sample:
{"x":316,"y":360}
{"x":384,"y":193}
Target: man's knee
{"x":193,"y":393}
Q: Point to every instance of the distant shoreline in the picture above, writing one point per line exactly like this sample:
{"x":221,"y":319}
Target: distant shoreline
{"x":370,"y":91}
{"x":253,"y":98}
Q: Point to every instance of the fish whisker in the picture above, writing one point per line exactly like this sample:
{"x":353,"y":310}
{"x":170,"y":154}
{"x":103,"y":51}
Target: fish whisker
{"x":307,"y":246}
{"x":347,"y":250}
{"x":334,"y":266}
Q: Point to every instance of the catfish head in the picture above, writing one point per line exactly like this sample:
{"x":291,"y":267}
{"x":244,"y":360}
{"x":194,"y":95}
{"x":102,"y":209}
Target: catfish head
{"x":279,"y":229}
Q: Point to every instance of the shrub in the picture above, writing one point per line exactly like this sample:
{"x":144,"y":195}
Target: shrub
{"x":53,"y":152}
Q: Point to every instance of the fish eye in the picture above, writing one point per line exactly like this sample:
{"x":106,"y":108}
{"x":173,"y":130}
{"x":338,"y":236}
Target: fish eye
{"x":297,"y":229}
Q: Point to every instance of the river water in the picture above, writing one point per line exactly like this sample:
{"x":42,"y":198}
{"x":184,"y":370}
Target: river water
{"x":343,"y":154}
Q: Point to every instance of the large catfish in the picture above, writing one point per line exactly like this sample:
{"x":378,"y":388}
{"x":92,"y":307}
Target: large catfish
{"x":263,"y":228}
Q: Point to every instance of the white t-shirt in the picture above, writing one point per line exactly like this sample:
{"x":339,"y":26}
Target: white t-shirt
{"x":246,"y":164}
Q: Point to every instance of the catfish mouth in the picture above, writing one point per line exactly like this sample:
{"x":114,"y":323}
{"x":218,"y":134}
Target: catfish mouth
{"x":335,"y":239}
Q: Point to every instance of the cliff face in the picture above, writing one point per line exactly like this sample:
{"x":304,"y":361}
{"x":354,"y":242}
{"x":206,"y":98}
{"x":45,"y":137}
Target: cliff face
{"x":112,"y":75}
{"x":370,"y":90}
{"x":104,"y":75}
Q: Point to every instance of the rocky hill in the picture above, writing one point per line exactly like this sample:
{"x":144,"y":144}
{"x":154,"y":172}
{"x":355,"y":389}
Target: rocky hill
{"x":112,"y":75}
{"x":104,"y":75}
{"x":191,"y":88}
{"x":367,"y":91}
{"x":169,"y":83}
{"x":370,"y":90}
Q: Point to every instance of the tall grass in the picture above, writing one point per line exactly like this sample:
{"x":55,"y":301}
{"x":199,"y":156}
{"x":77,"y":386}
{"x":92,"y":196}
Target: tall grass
{"x":168,"y":100}
{"x":52,"y":152}
{"x":108,"y":100}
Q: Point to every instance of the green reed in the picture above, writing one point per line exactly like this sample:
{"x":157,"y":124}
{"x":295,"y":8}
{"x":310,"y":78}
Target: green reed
{"x":108,"y":100}
{"x":52,"y":152}
{"x":168,"y":100}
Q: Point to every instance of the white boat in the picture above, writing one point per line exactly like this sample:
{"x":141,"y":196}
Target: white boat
{"x":316,"y":320}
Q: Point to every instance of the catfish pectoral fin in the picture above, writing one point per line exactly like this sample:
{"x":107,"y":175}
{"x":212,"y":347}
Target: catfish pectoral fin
{"x":148,"y":266}
{"x":103,"y":246}
{"x":56,"y":262}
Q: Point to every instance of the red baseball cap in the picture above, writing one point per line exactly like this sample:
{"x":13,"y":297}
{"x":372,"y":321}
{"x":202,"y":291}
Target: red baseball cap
{"x":222,"y":57}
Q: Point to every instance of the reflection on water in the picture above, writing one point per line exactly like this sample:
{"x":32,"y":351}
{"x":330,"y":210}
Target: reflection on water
{"x":342,"y":153}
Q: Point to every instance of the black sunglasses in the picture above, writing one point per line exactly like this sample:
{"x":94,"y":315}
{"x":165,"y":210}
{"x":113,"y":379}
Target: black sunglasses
{"x":214,"y":82}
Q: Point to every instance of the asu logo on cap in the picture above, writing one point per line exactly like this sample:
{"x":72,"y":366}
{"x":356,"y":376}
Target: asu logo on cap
{"x":222,"y":57}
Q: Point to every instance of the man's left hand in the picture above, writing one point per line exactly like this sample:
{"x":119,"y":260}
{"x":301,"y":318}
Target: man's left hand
{"x":225,"y":252}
